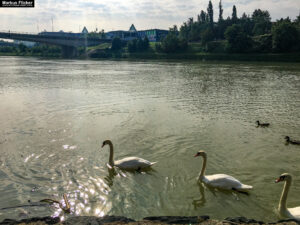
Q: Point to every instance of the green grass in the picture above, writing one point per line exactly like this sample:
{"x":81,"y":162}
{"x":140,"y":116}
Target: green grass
{"x":101,"y":46}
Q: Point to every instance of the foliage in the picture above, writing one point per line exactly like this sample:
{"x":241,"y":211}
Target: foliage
{"x":210,"y":12}
{"x":262,"y":43}
{"x":116,"y":44}
{"x":262,"y":22}
{"x":285,"y":36}
{"x":220,"y":11}
{"x":138,"y":45}
{"x":234,"y":15}
{"x":238,"y":41}
{"x":22,"y":48}
{"x":172,"y":43}
{"x":8,"y":49}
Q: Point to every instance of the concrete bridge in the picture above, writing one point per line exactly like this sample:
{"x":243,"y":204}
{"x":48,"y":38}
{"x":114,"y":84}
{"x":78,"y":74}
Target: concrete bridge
{"x":68,"y":44}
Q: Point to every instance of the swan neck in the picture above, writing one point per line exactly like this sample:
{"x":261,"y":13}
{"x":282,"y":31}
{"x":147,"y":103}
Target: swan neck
{"x":203,"y":167}
{"x":285,"y":191}
{"x":111,"y":154}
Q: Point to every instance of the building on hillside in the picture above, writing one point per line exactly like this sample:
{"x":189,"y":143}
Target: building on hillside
{"x":154,"y":35}
{"x":124,"y":35}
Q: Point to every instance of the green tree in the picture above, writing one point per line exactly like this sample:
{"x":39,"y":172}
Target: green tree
{"x":234,"y":14}
{"x":285,"y":36}
{"x":131,"y":45}
{"x":247,"y":24}
{"x":238,"y":41}
{"x":210,"y":12}
{"x":262,"y":22}
{"x":102,"y":34}
{"x":22,"y":48}
{"x":116,"y":44}
{"x":207,"y":35}
{"x":297,"y":20}
{"x":220,"y":11}
{"x":202,"y":17}
{"x":172,"y":43}
{"x":184,"y":31}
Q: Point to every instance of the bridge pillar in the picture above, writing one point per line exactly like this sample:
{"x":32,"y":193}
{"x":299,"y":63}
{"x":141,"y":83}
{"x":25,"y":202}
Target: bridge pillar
{"x":69,"y":51}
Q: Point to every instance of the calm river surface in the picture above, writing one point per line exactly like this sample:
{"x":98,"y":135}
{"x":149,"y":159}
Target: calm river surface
{"x":54,"y":115}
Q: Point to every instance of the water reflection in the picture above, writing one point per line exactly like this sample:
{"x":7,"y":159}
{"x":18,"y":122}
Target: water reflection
{"x":199,"y":203}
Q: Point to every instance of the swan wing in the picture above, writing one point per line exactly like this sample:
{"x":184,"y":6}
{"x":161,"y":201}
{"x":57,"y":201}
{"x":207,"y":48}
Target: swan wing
{"x":295,"y":213}
{"x":133,"y":163}
{"x":225,"y":181}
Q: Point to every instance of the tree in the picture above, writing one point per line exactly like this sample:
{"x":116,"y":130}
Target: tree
{"x":297,"y":20}
{"x":285,"y":36}
{"x":171,"y":43}
{"x":207,"y":35}
{"x":131,"y":45}
{"x":220,"y":11}
{"x":102,"y":34}
{"x":247,"y":24}
{"x":262,"y":22}
{"x":238,"y":41}
{"x":203,"y":16}
{"x":22,"y":48}
{"x":234,"y":14}
{"x":210,"y":12}
{"x":116,"y":44}
{"x":184,"y":31}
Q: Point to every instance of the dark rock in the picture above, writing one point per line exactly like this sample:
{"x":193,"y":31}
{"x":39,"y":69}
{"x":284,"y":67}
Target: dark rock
{"x":47,"y":220}
{"x":288,"y":220}
{"x":242,"y":219}
{"x":177,"y":219}
{"x":92,"y":220}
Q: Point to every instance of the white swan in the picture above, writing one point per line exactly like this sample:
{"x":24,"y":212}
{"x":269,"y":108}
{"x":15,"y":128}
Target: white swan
{"x":128,"y":163}
{"x":222,"y":181}
{"x":293,"y":213}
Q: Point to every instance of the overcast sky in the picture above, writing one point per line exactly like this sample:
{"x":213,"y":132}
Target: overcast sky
{"x":73,"y":15}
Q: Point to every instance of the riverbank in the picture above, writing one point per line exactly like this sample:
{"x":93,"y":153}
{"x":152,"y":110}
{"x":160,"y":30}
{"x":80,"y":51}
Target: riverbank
{"x":104,"y":54}
{"x":203,"y":220}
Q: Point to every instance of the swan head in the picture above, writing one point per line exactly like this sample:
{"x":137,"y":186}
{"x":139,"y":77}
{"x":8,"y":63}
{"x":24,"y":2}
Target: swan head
{"x":287,"y":138}
{"x":283,"y":177}
{"x":257,"y":122}
{"x":106,"y":142}
{"x":200,"y":153}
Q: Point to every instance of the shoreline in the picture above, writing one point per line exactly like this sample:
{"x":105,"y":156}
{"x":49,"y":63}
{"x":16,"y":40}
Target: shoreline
{"x":251,"y":57}
{"x":204,"y":220}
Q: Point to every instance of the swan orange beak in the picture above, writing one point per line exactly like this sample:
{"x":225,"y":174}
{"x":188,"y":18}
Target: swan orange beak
{"x":196,"y":155}
{"x":278,"y":180}
{"x":102,"y":146}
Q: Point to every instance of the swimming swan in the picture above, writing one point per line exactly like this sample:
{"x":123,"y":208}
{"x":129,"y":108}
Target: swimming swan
{"x":293,"y":213}
{"x":222,"y":181}
{"x":128,"y":163}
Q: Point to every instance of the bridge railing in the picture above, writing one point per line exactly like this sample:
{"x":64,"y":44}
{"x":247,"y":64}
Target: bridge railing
{"x":17,"y":32}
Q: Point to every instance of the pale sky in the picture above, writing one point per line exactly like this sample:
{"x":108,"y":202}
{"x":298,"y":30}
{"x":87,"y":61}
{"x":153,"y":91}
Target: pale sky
{"x":120,"y":14}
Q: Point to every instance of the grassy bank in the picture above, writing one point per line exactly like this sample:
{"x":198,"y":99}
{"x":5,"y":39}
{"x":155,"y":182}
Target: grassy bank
{"x":195,"y":51}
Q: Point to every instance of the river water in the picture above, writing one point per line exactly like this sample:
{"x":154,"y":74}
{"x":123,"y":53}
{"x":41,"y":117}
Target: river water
{"x":54,"y":115}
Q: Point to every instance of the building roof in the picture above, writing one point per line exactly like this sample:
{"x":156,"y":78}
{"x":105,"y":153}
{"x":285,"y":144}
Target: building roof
{"x":132,"y":28}
{"x":84,"y":30}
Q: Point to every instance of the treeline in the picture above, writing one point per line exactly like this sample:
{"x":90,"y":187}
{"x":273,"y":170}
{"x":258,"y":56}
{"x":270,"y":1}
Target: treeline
{"x":36,"y":50}
{"x":254,"y":33}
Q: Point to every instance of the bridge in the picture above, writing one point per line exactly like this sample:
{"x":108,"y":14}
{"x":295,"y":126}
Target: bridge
{"x":68,"y":44}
